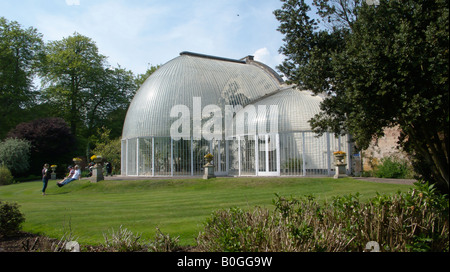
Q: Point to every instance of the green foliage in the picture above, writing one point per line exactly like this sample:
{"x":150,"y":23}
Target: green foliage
{"x":20,"y":49}
{"x":381,"y":66}
{"x":109,"y":149}
{"x":392,"y":167}
{"x":413,"y":221}
{"x":164,"y":243}
{"x":140,"y":79}
{"x":11,"y":218}
{"x":78,"y":84}
{"x":122,"y":240}
{"x":177,"y":206}
{"x":5,"y":175}
{"x":51,"y":141}
{"x":79,"y":80}
{"x":69,"y":68}
{"x":235,"y":230}
{"x":15,"y":154}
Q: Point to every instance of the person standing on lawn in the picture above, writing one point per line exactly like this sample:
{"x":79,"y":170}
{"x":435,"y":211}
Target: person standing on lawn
{"x":76,"y":175}
{"x":46,"y":175}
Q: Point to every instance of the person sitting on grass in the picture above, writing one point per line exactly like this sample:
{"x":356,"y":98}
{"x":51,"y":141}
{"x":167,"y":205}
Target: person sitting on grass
{"x":76,"y":175}
{"x":71,"y":172}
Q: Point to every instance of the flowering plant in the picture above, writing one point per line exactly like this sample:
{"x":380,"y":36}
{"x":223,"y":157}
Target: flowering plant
{"x":77,"y":159}
{"x":54,"y":166}
{"x":209,"y":157}
{"x":339,"y":153}
{"x":95,"y":157}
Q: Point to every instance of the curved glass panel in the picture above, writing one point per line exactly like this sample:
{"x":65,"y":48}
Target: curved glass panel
{"x":295,"y":109}
{"x":216,"y":81}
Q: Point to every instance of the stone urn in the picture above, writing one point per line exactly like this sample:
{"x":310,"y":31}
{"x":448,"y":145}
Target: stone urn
{"x":339,"y":162}
{"x":53,"y":167}
{"x":97,"y":169}
{"x":77,"y":161}
{"x":98,"y":160}
{"x":209,"y":167}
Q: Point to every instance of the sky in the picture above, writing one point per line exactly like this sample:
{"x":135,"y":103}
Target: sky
{"x":138,"y":33}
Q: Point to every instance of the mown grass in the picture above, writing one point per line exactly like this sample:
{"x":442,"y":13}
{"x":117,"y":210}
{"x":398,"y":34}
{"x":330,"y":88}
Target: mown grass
{"x":178,"y":207}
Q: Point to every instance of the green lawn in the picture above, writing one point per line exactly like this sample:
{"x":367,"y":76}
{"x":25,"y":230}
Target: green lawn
{"x":177,"y":206}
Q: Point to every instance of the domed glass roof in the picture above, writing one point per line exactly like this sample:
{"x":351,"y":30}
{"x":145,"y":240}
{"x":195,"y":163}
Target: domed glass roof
{"x":217,"y":81}
{"x":295,"y":109}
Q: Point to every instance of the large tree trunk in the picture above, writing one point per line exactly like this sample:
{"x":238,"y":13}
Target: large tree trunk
{"x":429,"y":152}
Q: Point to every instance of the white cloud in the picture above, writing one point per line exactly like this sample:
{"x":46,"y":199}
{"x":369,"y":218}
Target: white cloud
{"x":265,"y":56}
{"x":262,"y":54}
{"x":73,"y":2}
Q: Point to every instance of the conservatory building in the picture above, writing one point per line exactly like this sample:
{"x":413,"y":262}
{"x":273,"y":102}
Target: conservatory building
{"x":240,"y":111}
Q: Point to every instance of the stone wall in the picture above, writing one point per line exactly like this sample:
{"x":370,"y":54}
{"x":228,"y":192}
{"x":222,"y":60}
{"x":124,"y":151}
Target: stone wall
{"x":383,"y":147}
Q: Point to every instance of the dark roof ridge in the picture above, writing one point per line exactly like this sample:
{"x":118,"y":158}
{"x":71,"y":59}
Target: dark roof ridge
{"x":211,"y":57}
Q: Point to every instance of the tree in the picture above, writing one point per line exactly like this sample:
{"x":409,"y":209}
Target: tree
{"x":70,"y":69}
{"x":123,"y":85}
{"x":379,"y":66}
{"x":83,"y":86}
{"x":141,"y":78}
{"x":112,"y":94}
{"x":20,"y":51}
{"x":50,"y":138}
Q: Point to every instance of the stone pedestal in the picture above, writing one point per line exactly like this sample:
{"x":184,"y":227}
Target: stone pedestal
{"x":339,"y":161}
{"x":97,"y":173}
{"x":209,"y":171}
{"x":53,"y":176}
{"x":340,"y":171}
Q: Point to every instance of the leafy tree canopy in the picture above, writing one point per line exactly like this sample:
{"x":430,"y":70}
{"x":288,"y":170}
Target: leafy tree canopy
{"x":20,"y":50}
{"x":87,"y":91}
{"x":378,"y":66}
{"x":50,"y":138}
{"x":77,"y":85}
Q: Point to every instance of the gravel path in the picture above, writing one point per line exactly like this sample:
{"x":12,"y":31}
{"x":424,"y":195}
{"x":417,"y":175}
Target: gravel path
{"x":371,"y":179}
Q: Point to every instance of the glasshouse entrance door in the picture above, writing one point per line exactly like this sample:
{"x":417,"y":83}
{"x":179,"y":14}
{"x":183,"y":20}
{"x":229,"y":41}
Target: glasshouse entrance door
{"x":268,"y":155}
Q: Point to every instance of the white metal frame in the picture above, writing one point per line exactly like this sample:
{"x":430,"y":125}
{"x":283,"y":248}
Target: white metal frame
{"x":267,"y":161}
{"x":244,"y":164}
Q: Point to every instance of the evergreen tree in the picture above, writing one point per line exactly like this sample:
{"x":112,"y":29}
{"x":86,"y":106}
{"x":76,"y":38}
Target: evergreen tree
{"x":379,"y":66}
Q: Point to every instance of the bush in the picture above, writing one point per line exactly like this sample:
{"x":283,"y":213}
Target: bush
{"x":15,"y":154}
{"x":109,"y":149}
{"x":412,"y":221}
{"x":51,"y":141}
{"x":392,"y":167}
{"x":5,"y":175}
{"x":235,"y":230}
{"x":11,"y":218}
{"x":164,"y":243}
{"x":122,"y":240}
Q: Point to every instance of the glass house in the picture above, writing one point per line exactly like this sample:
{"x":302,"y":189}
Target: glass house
{"x":240,"y":111}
